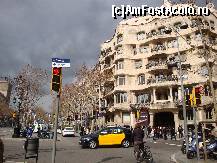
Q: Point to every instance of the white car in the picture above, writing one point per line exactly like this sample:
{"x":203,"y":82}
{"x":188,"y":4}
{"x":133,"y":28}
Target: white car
{"x":68,"y":131}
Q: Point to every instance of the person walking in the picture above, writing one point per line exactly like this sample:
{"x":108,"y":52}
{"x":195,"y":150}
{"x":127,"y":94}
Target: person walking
{"x":138,"y":135}
{"x":173,"y":133}
{"x":180,"y":130}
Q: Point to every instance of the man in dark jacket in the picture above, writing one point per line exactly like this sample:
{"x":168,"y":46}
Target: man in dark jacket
{"x":138,"y":136}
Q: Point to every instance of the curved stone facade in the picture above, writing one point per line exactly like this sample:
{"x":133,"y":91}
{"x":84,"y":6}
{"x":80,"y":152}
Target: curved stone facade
{"x":142,"y":54}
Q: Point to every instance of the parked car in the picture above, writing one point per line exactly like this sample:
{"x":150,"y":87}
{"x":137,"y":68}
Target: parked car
{"x":107,"y":136}
{"x":68,"y":131}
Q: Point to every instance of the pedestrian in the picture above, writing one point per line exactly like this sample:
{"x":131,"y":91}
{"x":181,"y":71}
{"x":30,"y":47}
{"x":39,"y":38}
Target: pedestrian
{"x":138,"y":135}
{"x":173,"y":133}
{"x":180,"y":130}
{"x":145,"y":131}
{"x":165,"y":133}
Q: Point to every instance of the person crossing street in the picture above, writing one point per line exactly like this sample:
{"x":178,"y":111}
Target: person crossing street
{"x":138,"y":136}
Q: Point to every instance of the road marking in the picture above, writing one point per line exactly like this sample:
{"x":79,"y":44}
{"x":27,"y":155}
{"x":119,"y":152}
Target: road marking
{"x":172,"y":144}
{"x":166,"y":143}
{"x":179,"y":145}
{"x":155,"y":142}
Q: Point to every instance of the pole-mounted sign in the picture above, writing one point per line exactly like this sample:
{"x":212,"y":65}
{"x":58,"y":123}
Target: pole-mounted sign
{"x":58,"y":62}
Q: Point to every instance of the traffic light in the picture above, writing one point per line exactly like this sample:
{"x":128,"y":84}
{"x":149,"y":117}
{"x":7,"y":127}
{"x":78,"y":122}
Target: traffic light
{"x":14,"y":115}
{"x":197,"y":96}
{"x":56,"y":78}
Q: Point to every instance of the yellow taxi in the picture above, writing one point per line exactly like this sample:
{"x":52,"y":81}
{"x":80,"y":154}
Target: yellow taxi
{"x":107,"y":136}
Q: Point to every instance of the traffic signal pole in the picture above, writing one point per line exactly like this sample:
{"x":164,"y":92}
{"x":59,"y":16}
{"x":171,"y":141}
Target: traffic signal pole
{"x":196,"y":132}
{"x":55,"y":129}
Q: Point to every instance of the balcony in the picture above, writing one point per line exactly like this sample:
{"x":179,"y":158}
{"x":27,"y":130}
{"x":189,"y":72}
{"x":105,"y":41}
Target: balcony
{"x":108,"y":90}
{"x":159,"y":47}
{"x":156,"y":65}
{"x":162,"y":80}
{"x":163,"y":104}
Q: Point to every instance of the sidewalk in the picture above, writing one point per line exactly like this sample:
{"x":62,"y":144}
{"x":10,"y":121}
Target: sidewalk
{"x":179,"y":157}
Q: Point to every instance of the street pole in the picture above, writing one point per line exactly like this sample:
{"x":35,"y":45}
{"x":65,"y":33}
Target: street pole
{"x":55,"y":129}
{"x":182,"y":95}
{"x":204,"y":143}
{"x":100,"y":119}
{"x":196,"y":132}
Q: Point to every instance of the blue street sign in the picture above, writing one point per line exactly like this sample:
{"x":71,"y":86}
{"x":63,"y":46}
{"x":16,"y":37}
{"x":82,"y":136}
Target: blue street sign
{"x":58,"y":62}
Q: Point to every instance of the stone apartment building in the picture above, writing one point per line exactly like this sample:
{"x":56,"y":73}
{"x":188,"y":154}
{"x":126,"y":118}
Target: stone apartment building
{"x":140,"y":56}
{"x":5,"y":91}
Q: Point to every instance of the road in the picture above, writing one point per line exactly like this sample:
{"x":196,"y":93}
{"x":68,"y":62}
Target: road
{"x":69,"y":151}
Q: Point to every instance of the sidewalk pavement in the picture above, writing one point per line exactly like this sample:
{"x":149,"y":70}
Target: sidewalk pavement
{"x":179,"y":157}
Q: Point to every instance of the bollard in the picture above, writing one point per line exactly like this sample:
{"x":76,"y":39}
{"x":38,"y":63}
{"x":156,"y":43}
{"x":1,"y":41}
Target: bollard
{"x":1,"y":150}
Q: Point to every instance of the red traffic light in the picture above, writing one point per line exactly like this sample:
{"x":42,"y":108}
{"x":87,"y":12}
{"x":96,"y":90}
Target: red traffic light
{"x":56,"y":71}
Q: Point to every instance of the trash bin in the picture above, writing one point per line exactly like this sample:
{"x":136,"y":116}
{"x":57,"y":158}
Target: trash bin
{"x":16,"y":132}
{"x":1,"y":151}
{"x":31,"y":148}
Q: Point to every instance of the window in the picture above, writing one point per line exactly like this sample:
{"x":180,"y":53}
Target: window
{"x":141,"y":35}
{"x":143,"y":49}
{"x":138,"y":64}
{"x":120,"y":65}
{"x":172,"y":44}
{"x":121,"y":80}
{"x":142,"y":98}
{"x":212,"y":25}
{"x":208,"y":113}
{"x":125,"y":117}
{"x":134,"y":49}
{"x":190,"y":115}
{"x":162,"y":30}
{"x":121,"y":97}
{"x":203,"y":71}
{"x":119,"y":38}
{"x":188,"y":39}
{"x":141,"y":79}
{"x":198,"y":37}
{"x":177,"y":26}
{"x":119,"y":50}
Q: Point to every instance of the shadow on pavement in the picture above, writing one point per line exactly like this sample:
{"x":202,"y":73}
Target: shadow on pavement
{"x":14,"y":156}
{"x":108,"y":159}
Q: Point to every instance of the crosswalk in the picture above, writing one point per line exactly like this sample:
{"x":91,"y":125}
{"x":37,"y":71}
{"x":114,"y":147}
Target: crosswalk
{"x":167,"y":143}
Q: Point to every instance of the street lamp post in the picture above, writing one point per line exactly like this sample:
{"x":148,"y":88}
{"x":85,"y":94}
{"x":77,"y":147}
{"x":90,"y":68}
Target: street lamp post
{"x":183,"y":26}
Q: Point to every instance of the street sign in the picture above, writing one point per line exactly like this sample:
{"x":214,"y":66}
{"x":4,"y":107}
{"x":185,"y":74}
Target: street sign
{"x":58,"y":62}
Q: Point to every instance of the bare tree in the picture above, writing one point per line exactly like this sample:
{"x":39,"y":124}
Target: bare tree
{"x":81,"y":97}
{"x":28,"y":88}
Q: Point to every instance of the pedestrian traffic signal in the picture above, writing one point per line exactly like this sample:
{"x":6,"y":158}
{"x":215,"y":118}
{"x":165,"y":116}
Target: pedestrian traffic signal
{"x":56,"y":79}
{"x":197,"y":96}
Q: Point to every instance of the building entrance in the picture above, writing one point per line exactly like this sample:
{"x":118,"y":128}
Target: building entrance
{"x":164,"y":119}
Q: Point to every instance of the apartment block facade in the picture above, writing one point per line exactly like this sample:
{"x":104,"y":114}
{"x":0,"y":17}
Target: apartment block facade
{"x":142,"y":55}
